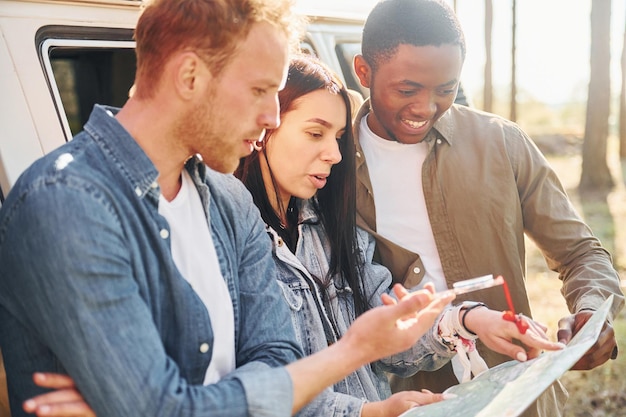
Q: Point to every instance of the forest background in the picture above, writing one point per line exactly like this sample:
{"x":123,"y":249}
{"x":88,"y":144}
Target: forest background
{"x":558,"y":68}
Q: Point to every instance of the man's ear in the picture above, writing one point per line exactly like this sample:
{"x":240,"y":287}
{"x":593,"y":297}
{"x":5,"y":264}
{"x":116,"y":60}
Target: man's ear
{"x":362,"y":70}
{"x":188,"y":74}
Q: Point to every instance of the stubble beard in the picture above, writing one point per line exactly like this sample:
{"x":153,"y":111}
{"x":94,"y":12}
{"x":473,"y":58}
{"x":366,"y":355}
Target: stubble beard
{"x":202,"y":130}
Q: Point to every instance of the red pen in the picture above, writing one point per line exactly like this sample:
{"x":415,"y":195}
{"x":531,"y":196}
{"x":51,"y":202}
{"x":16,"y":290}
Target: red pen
{"x":510,"y":315}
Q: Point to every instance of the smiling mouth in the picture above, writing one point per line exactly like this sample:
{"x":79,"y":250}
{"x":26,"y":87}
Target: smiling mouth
{"x":413,"y":124}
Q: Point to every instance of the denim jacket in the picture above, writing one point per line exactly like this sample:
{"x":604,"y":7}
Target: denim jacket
{"x":89,"y":288}
{"x":318,"y":325}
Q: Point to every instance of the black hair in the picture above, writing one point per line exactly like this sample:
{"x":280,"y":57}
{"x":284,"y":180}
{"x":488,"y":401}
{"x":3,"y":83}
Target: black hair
{"x":335,"y":204}
{"x":414,"y":22}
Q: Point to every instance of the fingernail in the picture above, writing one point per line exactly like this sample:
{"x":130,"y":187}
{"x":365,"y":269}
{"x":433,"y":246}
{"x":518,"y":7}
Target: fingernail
{"x":44,"y":409}
{"x":521,"y":356}
{"x":448,"y":396}
{"x":562,"y":345}
{"x":30,"y":405}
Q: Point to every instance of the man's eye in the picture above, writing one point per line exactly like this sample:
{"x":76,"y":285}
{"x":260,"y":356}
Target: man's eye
{"x":260,"y":91}
{"x":406,"y":92}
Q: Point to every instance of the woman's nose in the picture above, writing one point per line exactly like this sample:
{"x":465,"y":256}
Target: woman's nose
{"x":332,"y":153}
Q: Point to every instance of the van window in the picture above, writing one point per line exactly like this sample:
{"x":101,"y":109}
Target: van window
{"x":345,"y":54}
{"x":82,"y":71}
{"x":85,"y":76}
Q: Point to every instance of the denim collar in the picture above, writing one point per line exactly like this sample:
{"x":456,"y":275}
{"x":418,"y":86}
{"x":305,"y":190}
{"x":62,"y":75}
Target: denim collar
{"x":124,"y":150}
{"x":307,"y":212}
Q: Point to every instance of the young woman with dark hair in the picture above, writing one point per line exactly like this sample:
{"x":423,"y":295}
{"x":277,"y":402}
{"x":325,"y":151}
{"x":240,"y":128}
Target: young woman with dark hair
{"x":302,"y":179}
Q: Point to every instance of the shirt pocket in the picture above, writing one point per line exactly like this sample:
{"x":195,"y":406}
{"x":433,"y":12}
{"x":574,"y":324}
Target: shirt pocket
{"x":293,"y":293}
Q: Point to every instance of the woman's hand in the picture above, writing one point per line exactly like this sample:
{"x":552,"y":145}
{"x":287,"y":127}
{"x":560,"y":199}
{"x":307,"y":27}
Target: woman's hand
{"x":399,"y":403}
{"x":64,"y":401}
{"x":498,"y":334}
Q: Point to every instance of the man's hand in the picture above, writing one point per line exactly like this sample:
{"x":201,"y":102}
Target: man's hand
{"x":65,"y":401}
{"x":377,"y":333}
{"x":604,"y":349}
{"x":398,"y":324}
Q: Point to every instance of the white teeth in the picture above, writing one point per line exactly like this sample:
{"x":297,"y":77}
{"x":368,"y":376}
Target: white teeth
{"x":415,"y":125}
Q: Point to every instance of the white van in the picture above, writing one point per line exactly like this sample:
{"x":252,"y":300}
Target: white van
{"x":58,"y":58}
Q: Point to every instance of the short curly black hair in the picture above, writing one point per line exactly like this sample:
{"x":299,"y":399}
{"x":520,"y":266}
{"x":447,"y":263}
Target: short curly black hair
{"x":414,"y":22}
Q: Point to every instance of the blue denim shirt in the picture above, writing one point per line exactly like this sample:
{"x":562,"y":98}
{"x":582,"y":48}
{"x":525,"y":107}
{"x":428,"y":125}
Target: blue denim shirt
{"x":88,"y":287}
{"x":316,"y":325}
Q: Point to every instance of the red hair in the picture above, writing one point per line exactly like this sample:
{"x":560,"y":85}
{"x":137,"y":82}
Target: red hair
{"x":210,"y":28}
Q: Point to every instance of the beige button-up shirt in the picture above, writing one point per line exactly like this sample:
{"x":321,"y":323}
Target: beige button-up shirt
{"x":486,"y":185}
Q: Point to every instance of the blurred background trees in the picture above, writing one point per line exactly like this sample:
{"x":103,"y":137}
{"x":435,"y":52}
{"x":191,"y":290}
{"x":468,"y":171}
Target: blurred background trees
{"x":622,"y":103}
{"x":595,"y":173}
{"x":599,"y":117}
{"x":488,"y":78}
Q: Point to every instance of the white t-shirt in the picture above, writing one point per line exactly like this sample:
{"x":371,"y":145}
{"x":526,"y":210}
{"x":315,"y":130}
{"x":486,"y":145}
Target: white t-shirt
{"x":395,"y":171}
{"x":195,"y":257}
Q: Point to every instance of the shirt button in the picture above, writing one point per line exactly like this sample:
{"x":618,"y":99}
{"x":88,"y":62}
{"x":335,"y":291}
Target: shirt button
{"x":417,"y":270}
{"x":204,"y":348}
{"x":154,"y":184}
{"x":138,"y":191}
{"x":164,"y":233}
{"x":280,"y":242}
{"x":438,"y":141}
{"x":358,"y":154}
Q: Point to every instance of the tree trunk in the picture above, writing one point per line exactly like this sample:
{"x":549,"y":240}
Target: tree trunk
{"x":622,"y":104}
{"x":595,"y":171}
{"x":513,"y":113}
{"x":488,"y":88}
